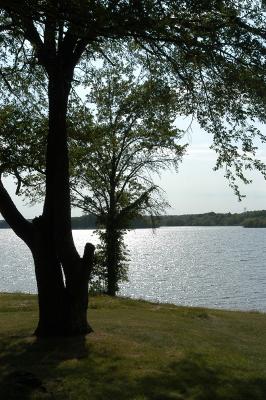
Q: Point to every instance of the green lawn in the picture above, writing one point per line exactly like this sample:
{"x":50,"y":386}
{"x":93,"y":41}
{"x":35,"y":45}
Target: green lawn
{"x":138,"y":351}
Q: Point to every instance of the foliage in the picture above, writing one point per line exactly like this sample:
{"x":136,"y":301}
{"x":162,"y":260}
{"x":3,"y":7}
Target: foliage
{"x":129,"y":133}
{"x":99,"y":277}
{"x":211,"y":219}
{"x":247,"y":218}
{"x":255,"y":222}
{"x":23,"y":137}
{"x":124,"y":136}
{"x":211,"y":53}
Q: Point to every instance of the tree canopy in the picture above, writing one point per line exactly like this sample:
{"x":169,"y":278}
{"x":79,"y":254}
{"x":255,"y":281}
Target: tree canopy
{"x":212,"y":53}
{"x":125,"y":132}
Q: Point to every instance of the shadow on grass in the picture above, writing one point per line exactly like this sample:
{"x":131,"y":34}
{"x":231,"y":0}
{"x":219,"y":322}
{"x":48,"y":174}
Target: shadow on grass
{"x":194,"y":379}
{"x":71,"y":369}
{"x":26,"y":363}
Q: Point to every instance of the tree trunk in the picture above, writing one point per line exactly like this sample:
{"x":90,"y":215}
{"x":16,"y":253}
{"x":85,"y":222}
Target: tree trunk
{"x":62,"y":310}
{"x":62,"y":275}
{"x":62,"y":303}
{"x":50,"y":284}
{"x":112,"y":252}
{"x":57,"y":207}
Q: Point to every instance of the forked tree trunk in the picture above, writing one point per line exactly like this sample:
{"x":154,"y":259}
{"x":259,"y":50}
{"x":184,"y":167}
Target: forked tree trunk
{"x":62,"y":310}
{"x":63,"y":302}
{"x":62,"y":275}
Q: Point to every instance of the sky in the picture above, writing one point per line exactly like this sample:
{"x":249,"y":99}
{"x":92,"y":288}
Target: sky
{"x":196,"y":188}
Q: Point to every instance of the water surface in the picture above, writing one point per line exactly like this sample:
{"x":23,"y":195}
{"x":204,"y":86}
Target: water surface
{"x":219,"y":267}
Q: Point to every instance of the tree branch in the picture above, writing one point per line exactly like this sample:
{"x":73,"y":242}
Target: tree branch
{"x":14,"y":218}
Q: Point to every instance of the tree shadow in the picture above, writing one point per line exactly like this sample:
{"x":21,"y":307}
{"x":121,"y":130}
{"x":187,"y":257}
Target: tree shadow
{"x":27,"y":362}
{"x":46,"y":369}
{"x":195,"y":379}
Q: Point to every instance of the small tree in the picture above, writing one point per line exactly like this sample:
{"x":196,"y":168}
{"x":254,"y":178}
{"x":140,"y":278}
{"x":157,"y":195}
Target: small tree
{"x":118,"y":147}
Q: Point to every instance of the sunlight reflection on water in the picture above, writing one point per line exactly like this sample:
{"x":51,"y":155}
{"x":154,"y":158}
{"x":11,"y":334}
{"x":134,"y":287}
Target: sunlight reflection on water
{"x":221,"y":267}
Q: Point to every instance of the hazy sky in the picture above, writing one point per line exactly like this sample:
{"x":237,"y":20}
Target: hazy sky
{"x":196,"y":188}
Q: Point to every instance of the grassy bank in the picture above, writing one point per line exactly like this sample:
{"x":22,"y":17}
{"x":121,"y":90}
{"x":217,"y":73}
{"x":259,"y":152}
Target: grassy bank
{"x":139,"y":351}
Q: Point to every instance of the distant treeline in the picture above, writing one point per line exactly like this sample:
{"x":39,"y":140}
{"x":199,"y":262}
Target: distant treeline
{"x":248,"y":219}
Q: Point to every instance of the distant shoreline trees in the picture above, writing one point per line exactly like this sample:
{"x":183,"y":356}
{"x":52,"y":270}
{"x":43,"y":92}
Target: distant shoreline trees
{"x":252,"y":219}
{"x":248,"y":219}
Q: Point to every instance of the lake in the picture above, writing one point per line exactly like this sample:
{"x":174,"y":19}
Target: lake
{"x":217,"y":267}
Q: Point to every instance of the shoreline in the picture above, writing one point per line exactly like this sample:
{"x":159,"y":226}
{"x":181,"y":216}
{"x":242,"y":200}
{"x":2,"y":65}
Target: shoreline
{"x":151,"y":302}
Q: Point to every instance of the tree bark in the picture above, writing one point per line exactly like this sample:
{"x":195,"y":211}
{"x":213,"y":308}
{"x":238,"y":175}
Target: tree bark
{"x":62,"y":275}
{"x":112,"y":252}
{"x":112,"y":244}
{"x":57,"y":207}
{"x":21,"y":227}
{"x":62,"y":303}
{"x":50,"y":283}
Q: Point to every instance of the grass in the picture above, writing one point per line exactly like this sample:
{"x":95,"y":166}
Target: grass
{"x":139,"y":351}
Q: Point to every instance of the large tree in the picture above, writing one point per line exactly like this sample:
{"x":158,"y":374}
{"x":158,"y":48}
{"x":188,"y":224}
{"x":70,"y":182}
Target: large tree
{"x":211,"y":51}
